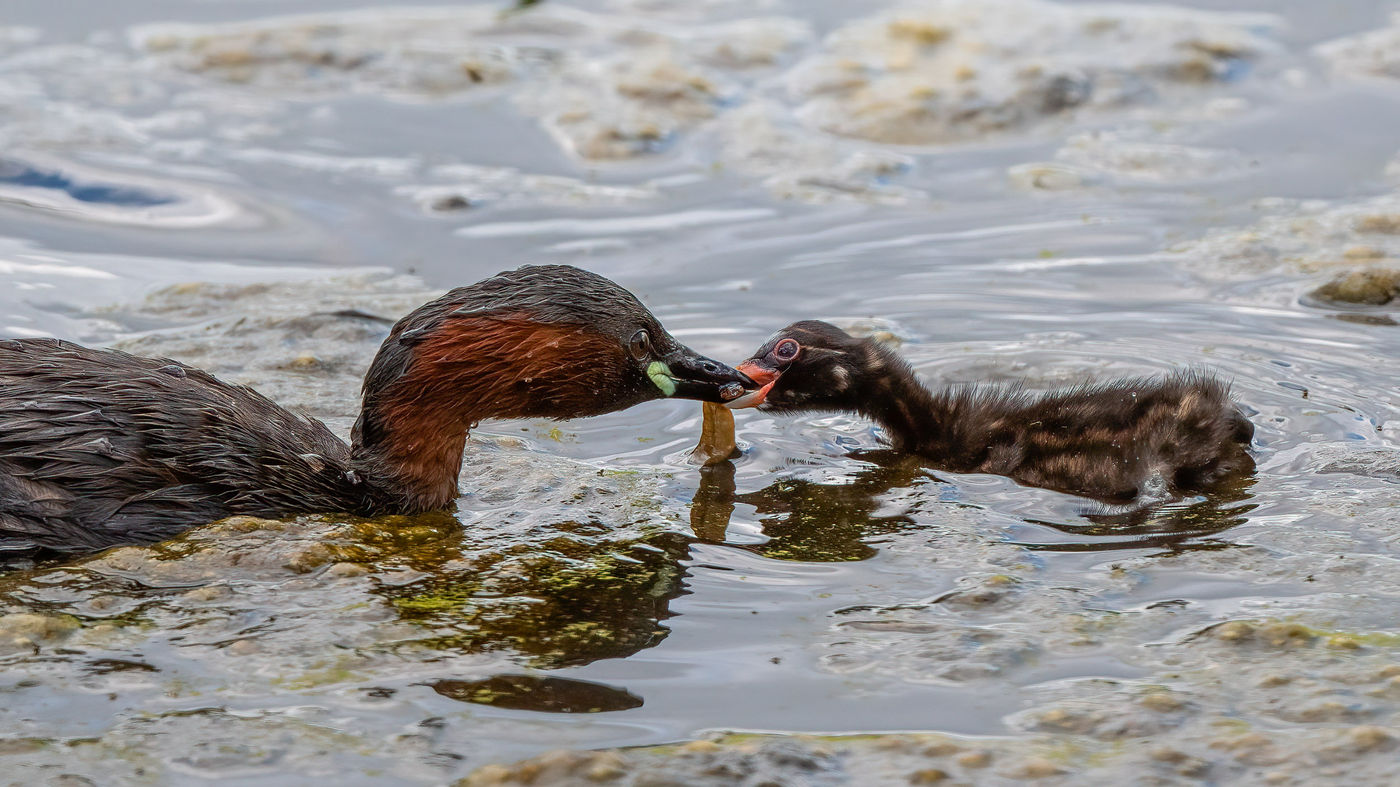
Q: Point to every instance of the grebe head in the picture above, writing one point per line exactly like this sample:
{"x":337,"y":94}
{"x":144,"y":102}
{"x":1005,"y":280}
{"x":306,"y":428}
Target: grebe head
{"x":813,"y":365}
{"x":547,"y":341}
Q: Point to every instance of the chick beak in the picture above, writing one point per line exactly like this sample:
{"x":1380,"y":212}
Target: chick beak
{"x":759,"y":374}
{"x":762,"y":375}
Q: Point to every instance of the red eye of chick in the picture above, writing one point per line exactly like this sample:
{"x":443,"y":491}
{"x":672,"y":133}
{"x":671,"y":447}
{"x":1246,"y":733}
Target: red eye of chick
{"x":786,"y":350}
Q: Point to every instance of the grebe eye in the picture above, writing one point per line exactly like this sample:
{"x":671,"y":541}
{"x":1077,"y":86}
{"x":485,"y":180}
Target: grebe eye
{"x":640,"y":345}
{"x":786,"y":350}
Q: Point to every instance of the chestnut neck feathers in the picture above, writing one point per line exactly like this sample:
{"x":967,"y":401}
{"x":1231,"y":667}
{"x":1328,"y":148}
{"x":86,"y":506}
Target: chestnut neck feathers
{"x":538,"y":342}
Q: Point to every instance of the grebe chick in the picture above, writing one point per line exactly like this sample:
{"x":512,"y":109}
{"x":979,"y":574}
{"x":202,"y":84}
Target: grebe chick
{"x":98,"y":447}
{"x":1107,"y":441}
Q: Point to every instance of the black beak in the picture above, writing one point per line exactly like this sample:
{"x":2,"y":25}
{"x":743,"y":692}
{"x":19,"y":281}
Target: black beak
{"x":682,"y":374}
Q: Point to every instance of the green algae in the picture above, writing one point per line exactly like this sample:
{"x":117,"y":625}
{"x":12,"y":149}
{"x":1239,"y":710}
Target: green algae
{"x":1078,"y":751}
{"x":23,"y":745}
{"x":566,"y":601}
{"x":1341,"y":638}
{"x":1237,"y":726}
{"x":1290,"y":632}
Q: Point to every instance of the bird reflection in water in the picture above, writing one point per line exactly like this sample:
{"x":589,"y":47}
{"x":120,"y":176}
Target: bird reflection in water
{"x":1175,"y":525}
{"x":567,"y":593}
{"x":587,"y":593}
{"x":807,"y":520}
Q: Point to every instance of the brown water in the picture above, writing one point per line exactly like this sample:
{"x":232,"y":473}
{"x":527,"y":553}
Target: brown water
{"x":1088,"y":193}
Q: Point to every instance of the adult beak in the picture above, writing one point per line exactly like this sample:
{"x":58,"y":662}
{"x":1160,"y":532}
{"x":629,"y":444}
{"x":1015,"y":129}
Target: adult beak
{"x":684,"y":374}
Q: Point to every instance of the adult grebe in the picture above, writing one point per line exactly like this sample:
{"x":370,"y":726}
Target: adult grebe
{"x":98,"y":447}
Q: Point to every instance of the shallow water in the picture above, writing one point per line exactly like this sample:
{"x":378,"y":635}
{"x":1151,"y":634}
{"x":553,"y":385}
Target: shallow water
{"x":1125,"y":191}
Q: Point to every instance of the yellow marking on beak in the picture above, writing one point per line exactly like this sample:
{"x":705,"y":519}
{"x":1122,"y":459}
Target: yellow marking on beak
{"x":660,"y":375}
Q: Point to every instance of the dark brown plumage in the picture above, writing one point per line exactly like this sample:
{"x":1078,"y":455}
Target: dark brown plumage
{"x":1113,"y":442}
{"x":98,"y":447}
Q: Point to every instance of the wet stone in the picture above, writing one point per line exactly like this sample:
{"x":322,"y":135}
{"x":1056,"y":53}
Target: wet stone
{"x":208,"y":593}
{"x":974,"y":759}
{"x":344,"y":570}
{"x":1061,"y":720}
{"x":1388,"y":690}
{"x":1274,"y":635}
{"x":70,"y":780}
{"x":24,"y":631}
{"x":1343,"y":642}
{"x":417,"y":53}
{"x":764,"y":762}
{"x":939,"y":72}
{"x":1105,"y":723}
{"x":1035,"y":768}
{"x":310,"y":558}
{"x":1363,"y":253}
{"x":1327,"y":711}
{"x":1161,"y":702}
{"x":1167,"y":754}
{"x":450,"y":202}
{"x":1367,"y":287}
{"x":21,"y":745}
{"x":243,"y":647}
{"x":1370,"y":738}
{"x":304,"y":363}
{"x":941,"y":749}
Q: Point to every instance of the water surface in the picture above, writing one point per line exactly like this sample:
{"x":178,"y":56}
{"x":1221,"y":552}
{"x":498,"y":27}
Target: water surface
{"x":249,"y":193}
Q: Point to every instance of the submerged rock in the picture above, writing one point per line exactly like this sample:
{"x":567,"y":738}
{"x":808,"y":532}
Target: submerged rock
{"x":1358,"y":754}
{"x":1294,"y":237}
{"x":420,"y":51}
{"x":1366,"y":287}
{"x":760,"y":761}
{"x":933,"y":72}
{"x":637,"y":98}
{"x":29,"y":632}
{"x":948,"y":70}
